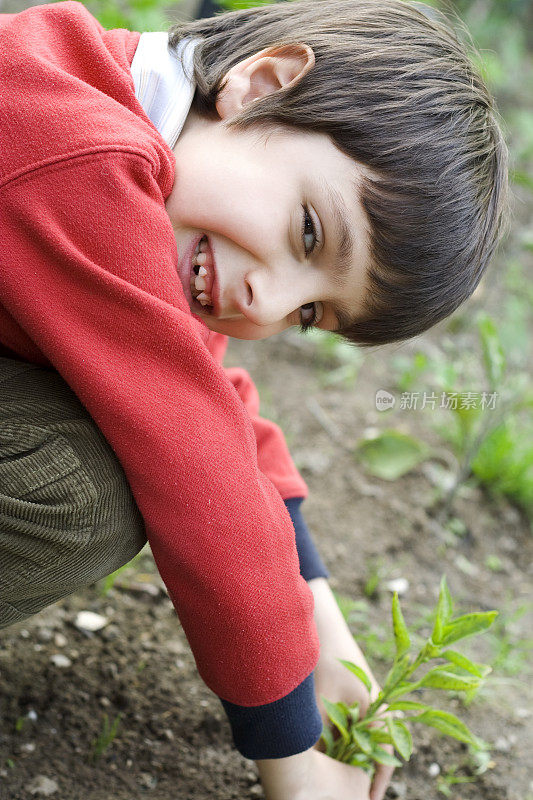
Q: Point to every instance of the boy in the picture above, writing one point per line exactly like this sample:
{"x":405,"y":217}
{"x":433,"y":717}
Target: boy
{"x":336,"y":165}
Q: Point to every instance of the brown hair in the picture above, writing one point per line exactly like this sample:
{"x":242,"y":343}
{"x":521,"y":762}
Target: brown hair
{"x":394,"y":89}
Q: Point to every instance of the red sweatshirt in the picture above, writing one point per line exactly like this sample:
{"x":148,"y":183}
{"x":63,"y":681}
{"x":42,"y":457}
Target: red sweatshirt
{"x":88,"y":284}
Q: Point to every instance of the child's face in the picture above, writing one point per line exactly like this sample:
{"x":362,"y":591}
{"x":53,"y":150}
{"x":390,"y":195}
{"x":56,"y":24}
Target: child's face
{"x":246,"y":192}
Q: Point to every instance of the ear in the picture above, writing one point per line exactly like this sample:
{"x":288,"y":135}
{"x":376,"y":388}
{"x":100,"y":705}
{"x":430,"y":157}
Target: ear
{"x":263,"y":73}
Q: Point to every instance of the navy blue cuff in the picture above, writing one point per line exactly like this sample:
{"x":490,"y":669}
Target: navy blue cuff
{"x":311,"y":565}
{"x":279,"y":729}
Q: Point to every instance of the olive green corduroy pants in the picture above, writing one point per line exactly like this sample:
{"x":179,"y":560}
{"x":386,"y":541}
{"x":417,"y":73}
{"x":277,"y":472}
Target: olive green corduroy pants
{"x":67,"y":515}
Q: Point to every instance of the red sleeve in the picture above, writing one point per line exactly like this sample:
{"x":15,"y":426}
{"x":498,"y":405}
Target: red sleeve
{"x":88,"y":271}
{"x":272,"y":452}
{"x":273,"y":455}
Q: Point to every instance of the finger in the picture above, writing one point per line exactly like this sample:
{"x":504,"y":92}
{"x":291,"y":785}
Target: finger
{"x":380,"y":782}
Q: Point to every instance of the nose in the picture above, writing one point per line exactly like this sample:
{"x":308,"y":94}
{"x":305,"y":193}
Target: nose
{"x":272,"y":294}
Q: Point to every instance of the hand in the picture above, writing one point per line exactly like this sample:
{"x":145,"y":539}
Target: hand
{"x":332,"y":679}
{"x":312,"y":776}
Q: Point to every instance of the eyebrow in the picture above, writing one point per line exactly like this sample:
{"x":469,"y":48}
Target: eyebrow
{"x":344,"y":255}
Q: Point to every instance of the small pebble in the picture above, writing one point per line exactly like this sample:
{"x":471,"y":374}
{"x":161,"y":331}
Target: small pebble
{"x":466,"y":566}
{"x":147,"y":780}
{"x":175,"y":647}
{"x":144,"y":588}
{"x":42,"y":785}
{"x":60,"y":640}
{"x":400,"y":585}
{"x":398,"y":789}
{"x":111,"y":669}
{"x":502,"y":744}
{"x":89,"y":621}
{"x":60,"y":660}
{"x":32,"y":715}
{"x":28,"y":747}
{"x":45,"y":634}
{"x":256,"y":791}
{"x":433,"y":770}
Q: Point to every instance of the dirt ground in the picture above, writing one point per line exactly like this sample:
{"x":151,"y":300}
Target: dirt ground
{"x":173,"y":740}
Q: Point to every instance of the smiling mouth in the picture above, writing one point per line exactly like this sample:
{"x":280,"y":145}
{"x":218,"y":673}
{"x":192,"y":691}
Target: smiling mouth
{"x":203,"y":275}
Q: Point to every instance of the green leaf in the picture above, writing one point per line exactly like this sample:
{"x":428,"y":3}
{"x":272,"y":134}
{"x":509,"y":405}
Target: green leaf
{"x":430,"y":650}
{"x":358,"y":672}
{"x":354,"y":712}
{"x":338,"y":716}
{"x":407,"y":705}
{"x":397,"y":671}
{"x":404,"y":687}
{"x":327,"y":736}
{"x":360,"y":760}
{"x":391,"y":454}
{"x":380,"y":736}
{"x":444,"y":611}
{"x":467,"y":625}
{"x":493,"y":355}
{"x":441,"y":679}
{"x":401,"y":634}
{"x":382,"y":757}
{"x":401,"y":738}
{"x":363,"y":740}
{"x":449,"y":725}
{"x":462,"y":661}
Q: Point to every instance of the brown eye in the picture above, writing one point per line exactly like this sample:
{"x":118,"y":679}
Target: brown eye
{"x":310,"y":314}
{"x":309,"y":231}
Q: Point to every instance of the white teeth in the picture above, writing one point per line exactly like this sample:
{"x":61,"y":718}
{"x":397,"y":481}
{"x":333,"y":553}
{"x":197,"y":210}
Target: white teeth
{"x":200,"y":283}
{"x":202,"y":271}
{"x":201,"y":246}
{"x":201,"y":258}
{"x":204,"y":299}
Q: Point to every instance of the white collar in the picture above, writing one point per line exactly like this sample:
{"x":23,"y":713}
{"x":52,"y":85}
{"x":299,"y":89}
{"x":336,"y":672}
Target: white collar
{"x":162,"y":87}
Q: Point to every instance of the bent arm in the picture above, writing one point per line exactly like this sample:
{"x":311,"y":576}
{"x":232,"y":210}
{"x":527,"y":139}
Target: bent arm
{"x":99,"y":295}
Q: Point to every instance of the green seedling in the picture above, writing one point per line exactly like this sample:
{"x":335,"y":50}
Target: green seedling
{"x":20,"y":723}
{"x":493,"y":444}
{"x":361,"y":740}
{"x":370,"y":589}
{"x":450,"y":778}
{"x":105,"y":737}
{"x":473,"y":766}
{"x":389,"y":454}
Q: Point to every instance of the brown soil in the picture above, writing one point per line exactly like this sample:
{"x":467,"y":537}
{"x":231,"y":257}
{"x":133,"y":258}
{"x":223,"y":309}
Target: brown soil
{"x":173,"y":739}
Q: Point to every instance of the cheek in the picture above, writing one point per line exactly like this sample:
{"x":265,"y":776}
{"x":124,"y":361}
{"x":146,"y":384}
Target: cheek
{"x":243,"y":329}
